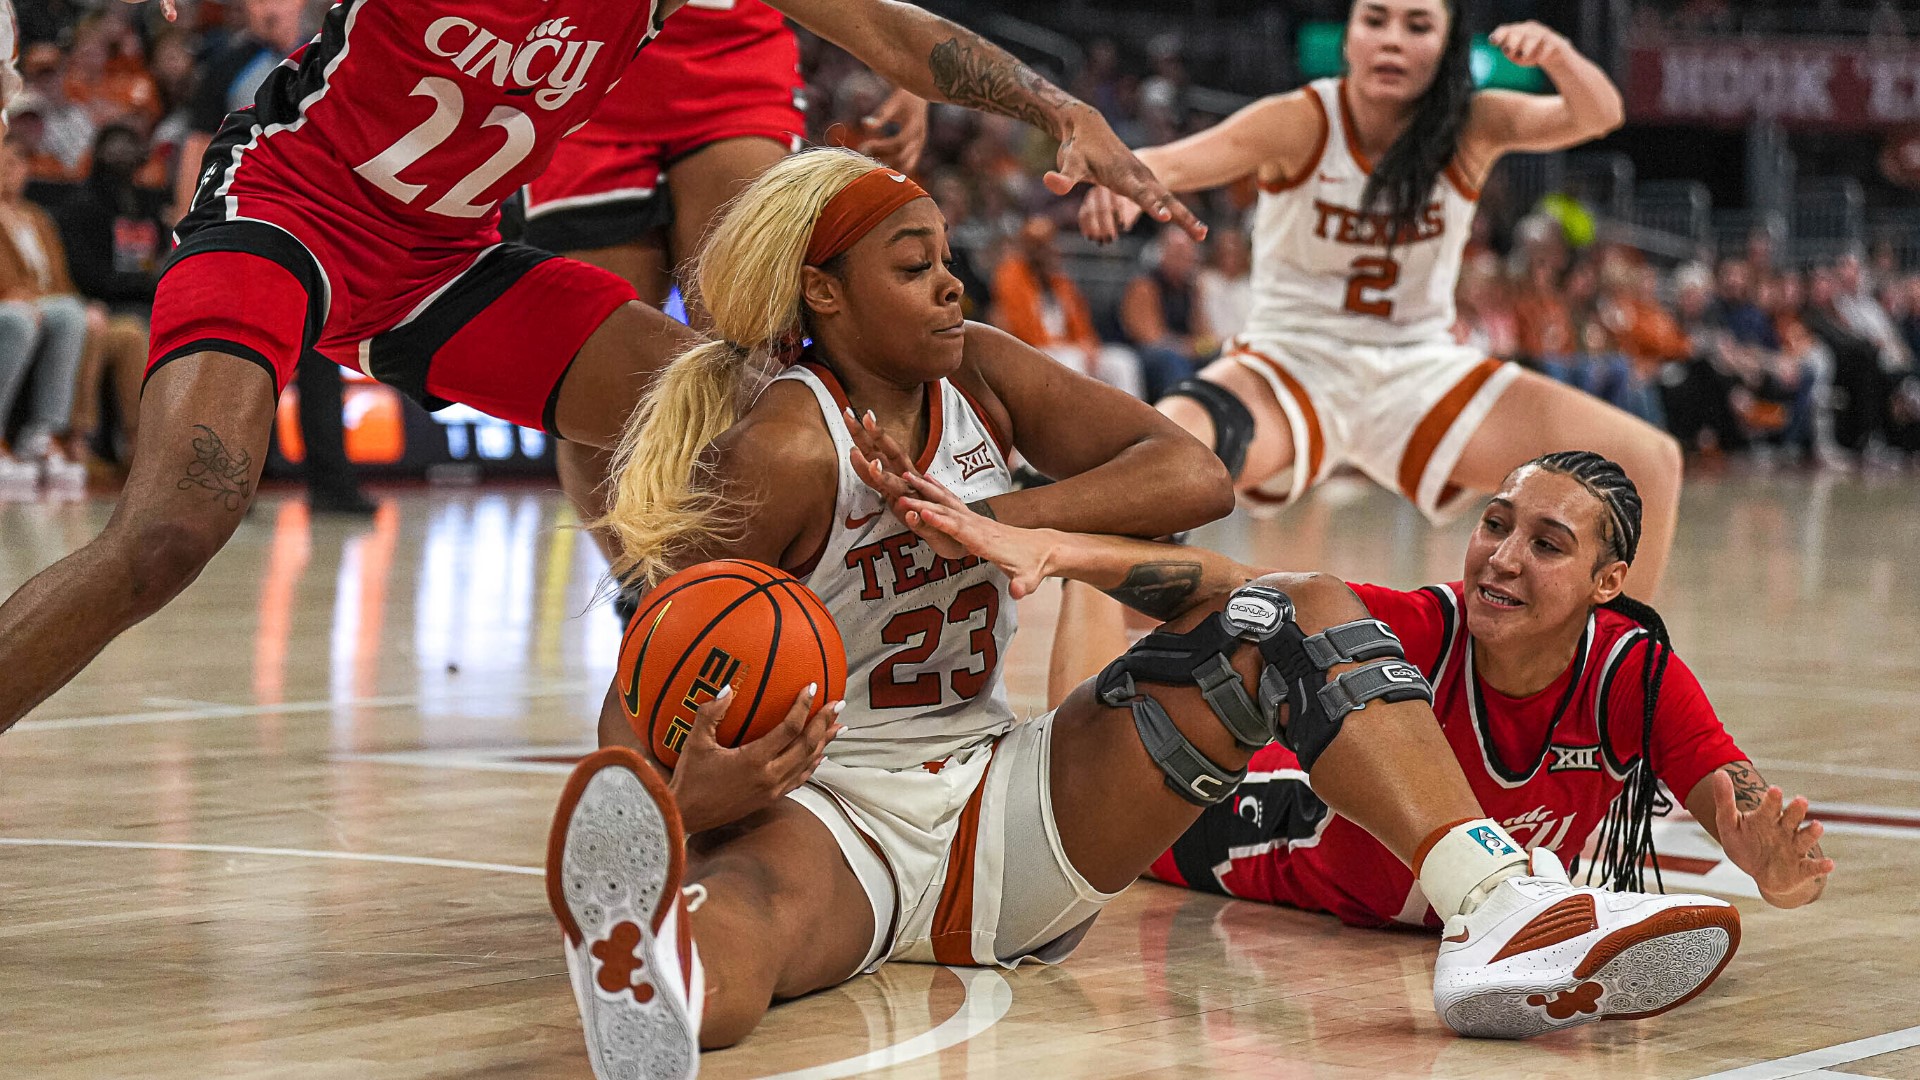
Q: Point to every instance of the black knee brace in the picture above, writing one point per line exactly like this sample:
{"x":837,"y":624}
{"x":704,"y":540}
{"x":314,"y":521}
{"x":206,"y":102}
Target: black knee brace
{"x":1232,"y":423}
{"x":1295,"y":675}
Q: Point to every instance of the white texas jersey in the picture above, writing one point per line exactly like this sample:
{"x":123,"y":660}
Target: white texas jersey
{"x":925,"y":636}
{"x":1322,"y":267}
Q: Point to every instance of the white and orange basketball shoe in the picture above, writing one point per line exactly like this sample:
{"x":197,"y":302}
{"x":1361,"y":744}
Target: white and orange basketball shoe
{"x":614,"y":864}
{"x":1540,"y":954}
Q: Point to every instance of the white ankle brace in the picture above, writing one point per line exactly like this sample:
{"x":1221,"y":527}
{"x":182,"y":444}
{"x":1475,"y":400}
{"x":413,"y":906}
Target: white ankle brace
{"x":1465,"y":863}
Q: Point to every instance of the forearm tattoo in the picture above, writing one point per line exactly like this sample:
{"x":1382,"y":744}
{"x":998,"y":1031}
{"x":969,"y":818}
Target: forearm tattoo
{"x":1160,"y":589}
{"x":972,"y":72}
{"x":1748,"y":787}
{"x":984,"y":509}
{"x":219,"y":470}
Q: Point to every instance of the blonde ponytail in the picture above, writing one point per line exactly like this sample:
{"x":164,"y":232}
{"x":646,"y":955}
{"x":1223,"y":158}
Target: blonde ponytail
{"x":748,"y":280}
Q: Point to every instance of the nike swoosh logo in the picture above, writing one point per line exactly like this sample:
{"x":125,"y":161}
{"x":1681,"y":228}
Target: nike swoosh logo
{"x":855,"y":523}
{"x":896,"y":178}
{"x":631,"y":695}
{"x":1325,"y":179}
{"x":1459,"y":938}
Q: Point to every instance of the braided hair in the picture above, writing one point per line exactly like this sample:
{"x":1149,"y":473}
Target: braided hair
{"x":1625,"y":845}
{"x":1402,"y":180}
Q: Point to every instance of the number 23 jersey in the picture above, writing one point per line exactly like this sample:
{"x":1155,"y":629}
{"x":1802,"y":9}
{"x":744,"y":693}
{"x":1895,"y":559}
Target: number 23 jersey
{"x":924,"y":635}
{"x":423,"y":116}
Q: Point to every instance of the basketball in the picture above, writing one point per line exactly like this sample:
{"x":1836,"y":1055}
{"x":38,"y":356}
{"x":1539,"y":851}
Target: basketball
{"x":731,"y":622}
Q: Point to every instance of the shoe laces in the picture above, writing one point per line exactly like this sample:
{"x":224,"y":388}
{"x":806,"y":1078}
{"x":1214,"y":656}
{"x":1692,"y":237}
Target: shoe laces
{"x":694,"y":895}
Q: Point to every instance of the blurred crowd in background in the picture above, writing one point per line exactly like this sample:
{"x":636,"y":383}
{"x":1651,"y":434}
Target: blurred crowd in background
{"x":1788,"y":364}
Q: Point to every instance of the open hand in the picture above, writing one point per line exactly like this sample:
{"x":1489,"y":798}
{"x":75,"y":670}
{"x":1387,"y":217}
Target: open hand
{"x":896,"y":132}
{"x":1024,"y":555}
{"x":1091,"y":153}
{"x":1104,"y":216}
{"x":716,"y":785}
{"x":1773,"y":843}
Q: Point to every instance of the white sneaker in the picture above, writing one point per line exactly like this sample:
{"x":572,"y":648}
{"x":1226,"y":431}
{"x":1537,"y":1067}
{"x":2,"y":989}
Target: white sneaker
{"x":61,"y":475}
{"x":1540,"y":955}
{"x":614,"y":864}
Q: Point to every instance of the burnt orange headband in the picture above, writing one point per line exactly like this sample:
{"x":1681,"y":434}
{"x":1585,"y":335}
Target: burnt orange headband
{"x":854,"y":212}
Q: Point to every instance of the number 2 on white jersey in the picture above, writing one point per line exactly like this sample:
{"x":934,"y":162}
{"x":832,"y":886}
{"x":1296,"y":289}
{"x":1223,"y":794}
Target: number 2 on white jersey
{"x":384,"y":170}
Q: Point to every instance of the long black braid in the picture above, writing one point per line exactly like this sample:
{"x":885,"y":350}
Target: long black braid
{"x":1625,"y":844}
{"x":1403,"y":179}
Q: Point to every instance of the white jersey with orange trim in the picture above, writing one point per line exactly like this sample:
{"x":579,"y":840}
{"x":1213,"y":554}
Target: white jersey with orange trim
{"x":1323,"y":267}
{"x":925,"y":636}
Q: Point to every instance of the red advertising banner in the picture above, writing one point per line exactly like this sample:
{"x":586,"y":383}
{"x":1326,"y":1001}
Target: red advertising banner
{"x":1730,"y":82}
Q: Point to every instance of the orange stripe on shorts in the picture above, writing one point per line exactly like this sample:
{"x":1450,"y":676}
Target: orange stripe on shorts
{"x":1434,"y":426}
{"x":952,"y":935}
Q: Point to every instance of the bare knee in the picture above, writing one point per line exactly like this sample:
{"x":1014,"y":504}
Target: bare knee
{"x":164,"y":555}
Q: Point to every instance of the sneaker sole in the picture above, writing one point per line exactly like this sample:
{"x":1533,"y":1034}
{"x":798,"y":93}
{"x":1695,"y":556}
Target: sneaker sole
{"x":614,"y":860}
{"x":1635,"y":972}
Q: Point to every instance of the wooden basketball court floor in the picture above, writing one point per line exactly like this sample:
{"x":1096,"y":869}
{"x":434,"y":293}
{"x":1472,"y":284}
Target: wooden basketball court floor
{"x":291,"y":827}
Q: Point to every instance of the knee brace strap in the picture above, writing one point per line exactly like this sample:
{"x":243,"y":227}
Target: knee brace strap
{"x":1232,"y":422}
{"x":1295,"y":672}
{"x":1189,"y":773}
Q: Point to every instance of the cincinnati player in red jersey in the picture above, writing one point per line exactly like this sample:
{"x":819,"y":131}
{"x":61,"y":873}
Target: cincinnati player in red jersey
{"x":1549,"y":684}
{"x":353,"y":211}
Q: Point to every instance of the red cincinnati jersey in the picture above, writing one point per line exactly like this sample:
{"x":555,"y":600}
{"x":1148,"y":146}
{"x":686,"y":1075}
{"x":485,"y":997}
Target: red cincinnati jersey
{"x":423,"y":115}
{"x":1553,"y":799}
{"x":723,"y":52}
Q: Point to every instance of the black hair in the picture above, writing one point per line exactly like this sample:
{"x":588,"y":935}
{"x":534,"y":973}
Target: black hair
{"x":1624,"y":847}
{"x":1403,"y":178}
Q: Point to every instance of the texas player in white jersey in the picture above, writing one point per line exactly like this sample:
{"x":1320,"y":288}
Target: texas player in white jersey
{"x":937,"y":827}
{"x":1368,"y":186}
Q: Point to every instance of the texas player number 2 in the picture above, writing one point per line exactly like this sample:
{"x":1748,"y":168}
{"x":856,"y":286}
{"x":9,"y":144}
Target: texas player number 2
{"x":384,"y":170}
{"x":1372,"y":274}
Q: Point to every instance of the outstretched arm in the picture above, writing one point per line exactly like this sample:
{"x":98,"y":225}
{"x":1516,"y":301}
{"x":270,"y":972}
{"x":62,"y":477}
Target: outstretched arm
{"x":1587,"y":106}
{"x":932,"y":57}
{"x":1764,"y":833}
{"x":1164,"y":581}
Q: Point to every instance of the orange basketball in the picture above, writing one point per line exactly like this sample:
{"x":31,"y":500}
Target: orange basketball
{"x":731,"y":622}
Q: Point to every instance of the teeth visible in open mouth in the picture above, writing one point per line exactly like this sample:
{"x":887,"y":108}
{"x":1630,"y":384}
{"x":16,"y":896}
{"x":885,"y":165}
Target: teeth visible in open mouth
{"x":1496,"y":599}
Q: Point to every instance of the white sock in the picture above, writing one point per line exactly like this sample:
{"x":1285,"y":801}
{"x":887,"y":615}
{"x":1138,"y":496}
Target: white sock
{"x":1460,"y":863}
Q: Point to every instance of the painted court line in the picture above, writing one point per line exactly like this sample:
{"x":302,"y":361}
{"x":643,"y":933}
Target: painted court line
{"x":283,"y":853}
{"x":1816,"y":1062}
{"x":292,"y":708}
{"x":988,"y":996}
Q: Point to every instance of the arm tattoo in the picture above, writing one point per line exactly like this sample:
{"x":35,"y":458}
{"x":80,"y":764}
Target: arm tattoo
{"x":1748,"y":787}
{"x":218,"y":470}
{"x":1160,"y":589}
{"x":969,"y":71}
{"x":984,"y":509}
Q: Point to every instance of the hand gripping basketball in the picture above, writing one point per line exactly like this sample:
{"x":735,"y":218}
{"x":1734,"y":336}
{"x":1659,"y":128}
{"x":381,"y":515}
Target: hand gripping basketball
{"x":716,"y":785}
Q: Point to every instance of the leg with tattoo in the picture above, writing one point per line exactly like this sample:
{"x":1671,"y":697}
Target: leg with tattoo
{"x":204,"y":424}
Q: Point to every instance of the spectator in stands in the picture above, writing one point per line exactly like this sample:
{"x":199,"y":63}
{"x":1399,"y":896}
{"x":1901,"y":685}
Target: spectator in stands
{"x":107,"y":71}
{"x":116,"y":238}
{"x":1604,"y":371}
{"x":1864,"y":315}
{"x":1648,"y":335}
{"x":1544,"y":323}
{"x":1737,"y":311}
{"x":1226,"y":284}
{"x":1164,"y":315}
{"x":231,"y":76}
{"x":1035,"y":301}
{"x":1697,"y":394}
{"x":1485,"y":309}
{"x":173,"y":75}
{"x":66,"y":128}
{"x":1863,"y":417}
{"x":43,"y":329}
